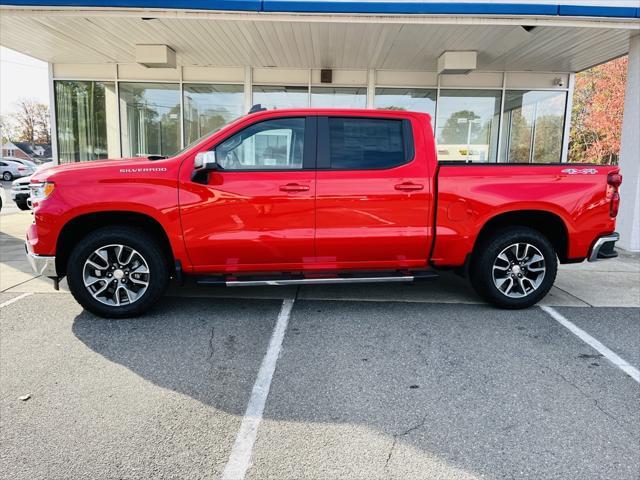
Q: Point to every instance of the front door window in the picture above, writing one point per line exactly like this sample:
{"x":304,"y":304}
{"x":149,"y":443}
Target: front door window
{"x":272,"y":144}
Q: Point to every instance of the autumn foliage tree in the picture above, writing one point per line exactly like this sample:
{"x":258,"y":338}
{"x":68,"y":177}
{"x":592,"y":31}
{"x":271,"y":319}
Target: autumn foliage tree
{"x":28,"y":123}
{"x":596,"y":118}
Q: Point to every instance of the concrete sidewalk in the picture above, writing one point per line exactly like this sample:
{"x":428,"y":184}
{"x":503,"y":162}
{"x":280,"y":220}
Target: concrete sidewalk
{"x":612,"y":283}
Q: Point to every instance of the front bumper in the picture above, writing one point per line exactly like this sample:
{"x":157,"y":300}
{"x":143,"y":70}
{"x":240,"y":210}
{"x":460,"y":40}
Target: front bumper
{"x":19,"y":195}
{"x":604,"y":248}
{"x":44,"y":265}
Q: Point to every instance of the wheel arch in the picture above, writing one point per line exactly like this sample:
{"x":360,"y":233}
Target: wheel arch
{"x":549,"y":224}
{"x":79,"y":227}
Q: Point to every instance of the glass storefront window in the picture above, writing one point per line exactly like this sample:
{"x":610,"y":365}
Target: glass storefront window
{"x":208,"y":107}
{"x":86,"y":120}
{"x":338,"y":97}
{"x":467,"y":125}
{"x":150,"y":118}
{"x":271,"y":97}
{"x":532,"y":126}
{"x":411,"y":99}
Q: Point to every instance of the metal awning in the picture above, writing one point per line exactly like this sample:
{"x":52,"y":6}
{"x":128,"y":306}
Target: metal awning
{"x":562,"y":8}
{"x":299,"y":39}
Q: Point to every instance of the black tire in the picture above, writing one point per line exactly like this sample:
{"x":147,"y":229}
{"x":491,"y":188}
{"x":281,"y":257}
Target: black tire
{"x":145,"y":245}
{"x":22,"y":205}
{"x":487,"y":252}
{"x":7,"y":176}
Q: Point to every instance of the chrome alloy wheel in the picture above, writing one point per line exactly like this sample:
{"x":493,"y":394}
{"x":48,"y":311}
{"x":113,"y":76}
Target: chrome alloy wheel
{"x":519,"y":270}
{"x":116,"y":275}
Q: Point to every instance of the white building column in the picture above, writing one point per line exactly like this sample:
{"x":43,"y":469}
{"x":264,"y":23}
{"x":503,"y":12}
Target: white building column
{"x":53,"y":126}
{"x":629,"y":216}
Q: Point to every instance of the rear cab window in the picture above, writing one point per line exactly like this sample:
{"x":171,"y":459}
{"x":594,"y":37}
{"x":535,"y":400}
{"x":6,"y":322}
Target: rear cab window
{"x":357,"y":143}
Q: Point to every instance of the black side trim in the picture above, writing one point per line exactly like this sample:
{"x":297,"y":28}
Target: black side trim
{"x":324,"y":158}
{"x":310,"y":141}
{"x":407,"y":138}
{"x":435,"y":216}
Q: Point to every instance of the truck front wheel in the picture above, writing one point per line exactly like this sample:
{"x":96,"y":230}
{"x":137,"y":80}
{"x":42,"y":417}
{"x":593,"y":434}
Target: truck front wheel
{"x":514,"y":268}
{"x":117,"y":272}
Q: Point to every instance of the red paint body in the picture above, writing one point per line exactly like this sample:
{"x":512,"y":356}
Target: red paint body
{"x":324,"y":220}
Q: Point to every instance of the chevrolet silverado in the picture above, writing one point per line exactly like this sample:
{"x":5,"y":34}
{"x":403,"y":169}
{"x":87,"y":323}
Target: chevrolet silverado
{"x":315,"y":196}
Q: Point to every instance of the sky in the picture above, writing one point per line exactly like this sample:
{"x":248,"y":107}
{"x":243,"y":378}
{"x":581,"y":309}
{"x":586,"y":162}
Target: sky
{"x":21,"y":76}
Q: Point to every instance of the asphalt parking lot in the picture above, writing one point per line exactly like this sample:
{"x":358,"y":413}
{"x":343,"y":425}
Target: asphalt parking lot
{"x":406,"y":381}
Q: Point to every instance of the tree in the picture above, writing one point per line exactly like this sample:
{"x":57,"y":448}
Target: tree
{"x":458,"y":128}
{"x":32,"y":122}
{"x":596,"y":117}
{"x":8,"y":129}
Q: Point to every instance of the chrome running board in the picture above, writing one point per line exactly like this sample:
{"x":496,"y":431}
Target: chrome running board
{"x":284,"y":281}
{"x":317,"y":281}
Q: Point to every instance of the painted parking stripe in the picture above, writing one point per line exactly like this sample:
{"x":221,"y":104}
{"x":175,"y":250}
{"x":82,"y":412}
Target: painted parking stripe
{"x":13,"y":300}
{"x":240,"y":458}
{"x":613,"y":357}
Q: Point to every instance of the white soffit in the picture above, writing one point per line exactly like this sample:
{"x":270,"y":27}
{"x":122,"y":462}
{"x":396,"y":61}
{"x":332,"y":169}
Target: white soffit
{"x":133,"y":71}
{"x":102,"y":38}
{"x":279,"y":76}
{"x":536,"y":80}
{"x":84,"y":71}
{"x":213,"y":74}
{"x":473,"y":79}
{"x":395,"y":78}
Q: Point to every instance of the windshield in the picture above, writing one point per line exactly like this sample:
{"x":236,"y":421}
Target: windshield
{"x":198,"y":140}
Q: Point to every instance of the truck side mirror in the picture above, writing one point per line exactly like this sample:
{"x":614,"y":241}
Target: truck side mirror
{"x":206,"y":161}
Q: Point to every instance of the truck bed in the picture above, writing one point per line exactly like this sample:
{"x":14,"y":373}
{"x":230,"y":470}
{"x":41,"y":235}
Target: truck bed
{"x":468,"y":196}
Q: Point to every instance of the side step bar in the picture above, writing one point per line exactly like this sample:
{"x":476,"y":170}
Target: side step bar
{"x":283,"y":281}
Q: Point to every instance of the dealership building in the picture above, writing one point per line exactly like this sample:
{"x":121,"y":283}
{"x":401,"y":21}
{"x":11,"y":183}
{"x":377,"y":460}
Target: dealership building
{"x":141,"y":77}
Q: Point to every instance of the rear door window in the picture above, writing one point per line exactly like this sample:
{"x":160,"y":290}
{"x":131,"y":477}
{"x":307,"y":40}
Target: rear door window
{"x":366,"y":143}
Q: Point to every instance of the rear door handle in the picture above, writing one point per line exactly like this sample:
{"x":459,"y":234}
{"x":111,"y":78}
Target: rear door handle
{"x":409,"y":186}
{"x":294,"y":187}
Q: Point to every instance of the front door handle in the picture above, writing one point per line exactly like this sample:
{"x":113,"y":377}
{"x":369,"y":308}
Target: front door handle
{"x":294,"y":187}
{"x":409,"y":186}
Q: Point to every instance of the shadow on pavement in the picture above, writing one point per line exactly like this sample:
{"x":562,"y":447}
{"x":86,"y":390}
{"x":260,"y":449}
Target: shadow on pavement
{"x":485,"y":392}
{"x":207,"y":350}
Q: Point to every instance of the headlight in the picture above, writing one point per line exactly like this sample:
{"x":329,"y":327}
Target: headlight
{"x":40,"y":191}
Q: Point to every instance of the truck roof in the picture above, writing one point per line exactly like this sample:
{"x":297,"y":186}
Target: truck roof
{"x":359,"y":112}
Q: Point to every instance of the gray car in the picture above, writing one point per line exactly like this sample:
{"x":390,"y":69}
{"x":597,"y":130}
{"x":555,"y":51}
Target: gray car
{"x":10,"y":169}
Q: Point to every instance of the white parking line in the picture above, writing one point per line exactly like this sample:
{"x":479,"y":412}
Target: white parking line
{"x":240,"y":458}
{"x":613,"y":357}
{"x":13,"y":300}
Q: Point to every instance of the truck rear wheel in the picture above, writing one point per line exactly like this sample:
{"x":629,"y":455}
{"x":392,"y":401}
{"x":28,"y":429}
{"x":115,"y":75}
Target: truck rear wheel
{"x":514,"y":268}
{"x":117,"y":272}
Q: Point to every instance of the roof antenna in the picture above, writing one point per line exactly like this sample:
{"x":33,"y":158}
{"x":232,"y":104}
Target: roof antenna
{"x":257,"y":108}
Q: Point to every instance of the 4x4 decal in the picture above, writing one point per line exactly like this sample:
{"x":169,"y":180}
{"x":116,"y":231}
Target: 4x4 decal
{"x":580,"y":171}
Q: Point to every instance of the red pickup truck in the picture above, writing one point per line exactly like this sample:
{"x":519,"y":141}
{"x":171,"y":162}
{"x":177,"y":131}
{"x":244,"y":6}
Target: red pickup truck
{"x":315,"y":196}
